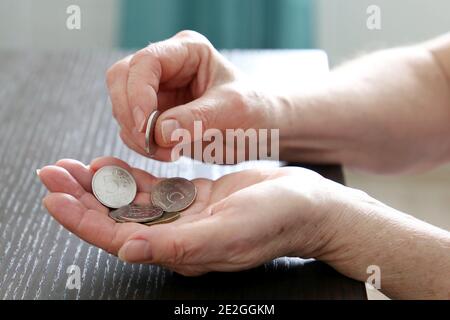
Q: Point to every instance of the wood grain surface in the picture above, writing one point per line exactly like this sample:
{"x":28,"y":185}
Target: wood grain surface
{"x":55,"y":105}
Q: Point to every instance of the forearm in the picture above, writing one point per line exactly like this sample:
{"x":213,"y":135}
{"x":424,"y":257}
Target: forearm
{"x":394,"y":101}
{"x":413,"y":257}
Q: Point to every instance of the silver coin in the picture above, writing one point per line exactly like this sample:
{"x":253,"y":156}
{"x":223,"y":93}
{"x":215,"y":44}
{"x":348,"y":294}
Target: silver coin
{"x":174,"y":194}
{"x":150,"y":144}
{"x":141,"y":213}
{"x":113,"y":186}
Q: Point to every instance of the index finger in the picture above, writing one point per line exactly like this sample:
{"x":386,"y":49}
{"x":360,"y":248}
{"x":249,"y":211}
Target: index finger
{"x":116,"y":79}
{"x":90,"y":225}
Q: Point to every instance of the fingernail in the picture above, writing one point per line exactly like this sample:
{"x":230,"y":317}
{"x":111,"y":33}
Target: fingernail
{"x":135,"y":250}
{"x":139,"y":118}
{"x":37,"y":171}
{"x":167,"y":128}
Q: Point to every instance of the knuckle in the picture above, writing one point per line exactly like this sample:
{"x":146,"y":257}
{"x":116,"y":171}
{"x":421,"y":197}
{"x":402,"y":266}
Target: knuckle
{"x":121,"y":115}
{"x":189,"y":37}
{"x":139,"y":56}
{"x":190,"y":34}
{"x":64,"y":161}
{"x":145,"y":66}
{"x":236,"y":98}
{"x":189,"y":272}
{"x":110,"y":76}
{"x":114,"y":72}
{"x":123,"y":135}
{"x":114,"y":242}
{"x":150,"y":51}
{"x":145,"y":58}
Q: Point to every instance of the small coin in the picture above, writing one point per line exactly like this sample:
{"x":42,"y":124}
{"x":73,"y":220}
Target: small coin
{"x":118,"y":213}
{"x":142,"y":213}
{"x":136,"y":213}
{"x":150,"y":144}
{"x":174,"y":194}
{"x":166,"y":218}
{"x":113,"y":186}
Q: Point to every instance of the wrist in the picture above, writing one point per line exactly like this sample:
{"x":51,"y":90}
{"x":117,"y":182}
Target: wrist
{"x":338,"y":218}
{"x":322,"y":214}
{"x":351,"y":221}
{"x":369,"y":235}
{"x":284,"y":116}
{"x":309,"y":131}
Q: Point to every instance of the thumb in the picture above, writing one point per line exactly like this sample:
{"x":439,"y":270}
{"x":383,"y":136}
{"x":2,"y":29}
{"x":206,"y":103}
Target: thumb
{"x":211,"y":111}
{"x":184,"y":244}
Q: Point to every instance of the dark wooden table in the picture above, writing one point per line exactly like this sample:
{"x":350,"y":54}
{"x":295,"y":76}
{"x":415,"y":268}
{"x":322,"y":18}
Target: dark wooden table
{"x":55,"y":105}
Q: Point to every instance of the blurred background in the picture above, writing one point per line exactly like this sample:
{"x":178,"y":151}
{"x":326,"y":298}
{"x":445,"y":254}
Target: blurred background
{"x":336,"y":26}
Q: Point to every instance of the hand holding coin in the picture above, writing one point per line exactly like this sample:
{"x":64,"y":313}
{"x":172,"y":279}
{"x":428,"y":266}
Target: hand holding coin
{"x":181,"y":76}
{"x":239,"y":221}
{"x":110,"y":189}
{"x":115,"y":188}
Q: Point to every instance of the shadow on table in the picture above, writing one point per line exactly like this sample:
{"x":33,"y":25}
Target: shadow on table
{"x":283,"y":278}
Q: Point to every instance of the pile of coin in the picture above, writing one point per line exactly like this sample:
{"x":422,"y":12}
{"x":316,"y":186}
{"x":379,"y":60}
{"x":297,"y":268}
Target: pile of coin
{"x":116,"y":188}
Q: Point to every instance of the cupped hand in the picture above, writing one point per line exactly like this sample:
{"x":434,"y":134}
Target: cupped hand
{"x":187,"y":80}
{"x":237,"y":222}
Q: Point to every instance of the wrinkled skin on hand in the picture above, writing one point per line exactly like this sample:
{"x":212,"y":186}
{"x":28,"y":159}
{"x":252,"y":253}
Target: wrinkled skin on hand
{"x":237,"y":222}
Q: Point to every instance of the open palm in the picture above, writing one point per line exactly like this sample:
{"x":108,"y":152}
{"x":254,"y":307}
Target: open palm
{"x":222,"y":230}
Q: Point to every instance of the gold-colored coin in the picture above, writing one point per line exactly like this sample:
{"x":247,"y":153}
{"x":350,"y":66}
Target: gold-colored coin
{"x":140,"y":213}
{"x":166,"y":218}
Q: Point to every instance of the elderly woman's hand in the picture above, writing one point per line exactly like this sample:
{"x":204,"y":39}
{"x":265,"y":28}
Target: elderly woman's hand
{"x":237,"y":222}
{"x":247,"y":218}
{"x":187,"y":80}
